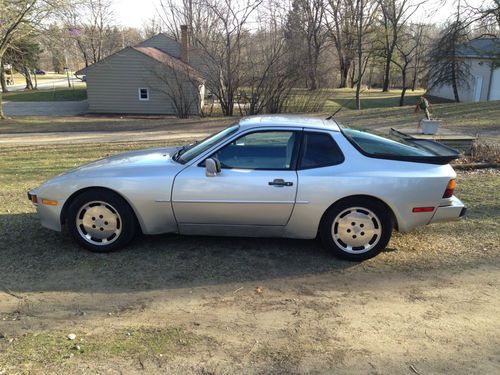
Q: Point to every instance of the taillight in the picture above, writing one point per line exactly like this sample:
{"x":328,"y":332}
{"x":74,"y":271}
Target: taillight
{"x":450,"y":188}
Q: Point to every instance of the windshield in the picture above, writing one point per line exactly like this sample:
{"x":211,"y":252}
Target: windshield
{"x":380,"y":146}
{"x":188,"y":153}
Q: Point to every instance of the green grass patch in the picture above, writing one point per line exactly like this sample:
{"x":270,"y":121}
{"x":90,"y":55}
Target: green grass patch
{"x":54,"y":347}
{"x":35,"y":163}
{"x":332,"y":99}
{"x":52,"y":95}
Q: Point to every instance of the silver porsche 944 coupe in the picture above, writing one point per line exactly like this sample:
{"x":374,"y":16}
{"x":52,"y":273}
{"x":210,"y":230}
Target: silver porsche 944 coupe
{"x":269,"y":176}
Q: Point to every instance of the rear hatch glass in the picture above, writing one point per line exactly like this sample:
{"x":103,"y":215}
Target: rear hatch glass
{"x":413,"y":150}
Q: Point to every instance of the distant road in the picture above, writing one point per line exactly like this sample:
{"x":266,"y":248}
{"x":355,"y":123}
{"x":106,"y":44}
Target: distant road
{"x":46,"y":83}
{"x":63,"y":108}
{"x":100,"y":137}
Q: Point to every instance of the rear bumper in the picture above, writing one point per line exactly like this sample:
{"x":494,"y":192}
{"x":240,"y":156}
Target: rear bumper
{"x":455,"y":211}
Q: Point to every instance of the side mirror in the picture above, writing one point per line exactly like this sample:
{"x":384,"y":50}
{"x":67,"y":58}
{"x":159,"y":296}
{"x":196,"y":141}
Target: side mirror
{"x":212,"y":167}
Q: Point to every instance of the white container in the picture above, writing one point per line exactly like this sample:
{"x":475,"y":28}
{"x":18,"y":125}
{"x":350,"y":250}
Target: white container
{"x":429,"y":126}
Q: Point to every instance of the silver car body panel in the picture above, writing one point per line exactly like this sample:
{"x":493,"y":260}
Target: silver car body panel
{"x":143,"y":178}
{"x":169,"y":197}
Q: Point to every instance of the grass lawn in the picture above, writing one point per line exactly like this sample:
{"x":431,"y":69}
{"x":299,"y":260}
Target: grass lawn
{"x":482,"y":119}
{"x":52,"y":95}
{"x":376,"y":99}
{"x":332,"y":99}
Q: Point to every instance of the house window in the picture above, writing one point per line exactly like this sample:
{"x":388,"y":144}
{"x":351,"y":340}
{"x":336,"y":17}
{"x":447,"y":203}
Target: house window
{"x":143,"y":94}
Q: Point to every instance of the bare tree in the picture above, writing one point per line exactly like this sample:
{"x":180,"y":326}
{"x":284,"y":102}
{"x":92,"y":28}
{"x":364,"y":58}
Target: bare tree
{"x":182,"y":86}
{"x":196,"y":14}
{"x":23,"y":55}
{"x":89,"y":24}
{"x":224,"y":51}
{"x":219,"y":32}
{"x":341,"y":28}
{"x":421,"y":39}
{"x":405,"y":48}
{"x":306,"y":26}
{"x":448,"y":67}
{"x":271,"y":71}
{"x":366,"y":11}
{"x":486,"y":15}
{"x":394,"y":16}
{"x":152,"y":27}
{"x":19,"y":18}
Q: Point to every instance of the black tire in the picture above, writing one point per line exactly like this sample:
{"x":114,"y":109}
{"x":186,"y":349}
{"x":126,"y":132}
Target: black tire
{"x":368,"y":211}
{"x":125,"y":220}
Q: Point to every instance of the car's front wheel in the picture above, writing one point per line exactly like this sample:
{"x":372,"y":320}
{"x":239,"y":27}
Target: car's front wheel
{"x":356,"y":229}
{"x":101,"y":221}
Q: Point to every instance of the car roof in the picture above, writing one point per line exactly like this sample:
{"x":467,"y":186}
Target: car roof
{"x":289,"y":120}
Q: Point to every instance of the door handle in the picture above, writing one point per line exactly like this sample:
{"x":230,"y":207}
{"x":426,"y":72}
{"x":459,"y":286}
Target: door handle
{"x":280,"y":182}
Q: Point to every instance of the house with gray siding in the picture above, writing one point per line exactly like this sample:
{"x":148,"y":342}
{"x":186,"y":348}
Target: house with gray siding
{"x":153,"y":77}
{"x":483,"y":58}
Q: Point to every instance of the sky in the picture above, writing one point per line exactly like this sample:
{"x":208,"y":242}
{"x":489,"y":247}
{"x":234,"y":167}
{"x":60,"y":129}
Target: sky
{"x":136,"y":12}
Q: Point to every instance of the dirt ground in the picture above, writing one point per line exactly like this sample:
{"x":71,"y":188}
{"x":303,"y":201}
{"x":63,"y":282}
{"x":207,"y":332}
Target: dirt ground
{"x":429,"y":304}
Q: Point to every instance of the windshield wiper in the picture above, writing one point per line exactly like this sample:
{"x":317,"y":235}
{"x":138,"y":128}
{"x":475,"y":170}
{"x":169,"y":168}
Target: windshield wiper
{"x":178,"y":153}
{"x":183,"y":149}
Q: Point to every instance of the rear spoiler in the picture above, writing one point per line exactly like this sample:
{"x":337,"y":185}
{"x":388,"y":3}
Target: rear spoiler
{"x":443,"y":154}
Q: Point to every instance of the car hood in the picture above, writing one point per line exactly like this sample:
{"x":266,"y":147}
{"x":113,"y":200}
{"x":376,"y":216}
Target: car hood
{"x":135,"y":163}
{"x":142,"y":165}
{"x":133,"y":159}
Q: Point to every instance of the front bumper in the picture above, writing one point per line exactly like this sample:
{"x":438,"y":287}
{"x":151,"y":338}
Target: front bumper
{"x":455,"y":211}
{"x":50,"y":216}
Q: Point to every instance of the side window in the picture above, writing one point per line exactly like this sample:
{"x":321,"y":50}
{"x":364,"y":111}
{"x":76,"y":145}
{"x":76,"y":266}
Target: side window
{"x":259,"y":150}
{"x":143,"y":94}
{"x":319,"y":150}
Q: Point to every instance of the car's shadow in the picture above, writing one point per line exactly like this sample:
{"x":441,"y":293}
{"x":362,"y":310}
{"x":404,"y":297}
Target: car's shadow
{"x":37,"y":259}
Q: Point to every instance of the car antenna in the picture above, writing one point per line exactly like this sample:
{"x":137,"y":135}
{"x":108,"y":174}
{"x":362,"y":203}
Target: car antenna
{"x":342,"y":107}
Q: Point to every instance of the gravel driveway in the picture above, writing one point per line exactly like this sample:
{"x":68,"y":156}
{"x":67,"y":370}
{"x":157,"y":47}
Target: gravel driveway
{"x":68,"y":108}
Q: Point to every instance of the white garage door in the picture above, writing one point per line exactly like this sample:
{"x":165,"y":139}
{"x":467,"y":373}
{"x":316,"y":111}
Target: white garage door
{"x":495,"y":85}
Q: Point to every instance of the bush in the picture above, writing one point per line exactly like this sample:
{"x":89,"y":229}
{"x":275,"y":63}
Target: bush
{"x":485,"y":152}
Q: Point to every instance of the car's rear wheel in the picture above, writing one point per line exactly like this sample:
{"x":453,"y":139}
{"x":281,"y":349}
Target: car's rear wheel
{"x":356,"y":229}
{"x":101,"y":221}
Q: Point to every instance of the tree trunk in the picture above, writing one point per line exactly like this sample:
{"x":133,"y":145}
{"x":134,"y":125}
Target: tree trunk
{"x":359,"y":29}
{"x":313,"y":84}
{"x":353,"y":73}
{"x":387,"y":72}
{"x":230,"y":106}
{"x":2,"y":116}
{"x":414,"y":80}
{"x":313,"y":79}
{"x":454,"y":82}
{"x":403,"y":91}
{"x":3,"y":82}
{"x":27,"y":77}
{"x":370,"y":77}
{"x":344,"y":72}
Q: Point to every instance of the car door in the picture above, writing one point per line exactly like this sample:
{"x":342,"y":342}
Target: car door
{"x":256,"y":186}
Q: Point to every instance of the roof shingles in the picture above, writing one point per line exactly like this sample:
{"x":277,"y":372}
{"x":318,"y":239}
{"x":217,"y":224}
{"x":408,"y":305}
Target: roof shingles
{"x":481,"y":48}
{"x":170,"y":61}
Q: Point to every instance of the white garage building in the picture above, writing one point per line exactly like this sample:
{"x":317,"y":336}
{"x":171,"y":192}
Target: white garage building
{"x":483,"y":57}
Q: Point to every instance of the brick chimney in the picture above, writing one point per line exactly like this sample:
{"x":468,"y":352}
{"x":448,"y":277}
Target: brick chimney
{"x":184,"y":44}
